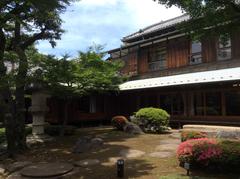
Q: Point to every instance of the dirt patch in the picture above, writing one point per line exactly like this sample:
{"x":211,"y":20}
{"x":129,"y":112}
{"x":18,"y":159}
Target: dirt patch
{"x":130,"y":153}
{"x":144,"y":167}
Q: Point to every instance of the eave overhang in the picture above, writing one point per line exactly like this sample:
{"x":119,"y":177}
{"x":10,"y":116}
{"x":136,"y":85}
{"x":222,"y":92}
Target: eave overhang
{"x":230,"y":74}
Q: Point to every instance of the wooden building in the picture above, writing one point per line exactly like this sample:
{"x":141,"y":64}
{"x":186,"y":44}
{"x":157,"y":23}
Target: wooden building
{"x":195,"y":81}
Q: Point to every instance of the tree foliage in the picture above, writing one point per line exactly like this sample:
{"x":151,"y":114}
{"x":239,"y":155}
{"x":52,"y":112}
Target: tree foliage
{"x":67,"y":78}
{"x":22,"y":23}
{"x":209,"y":16}
{"x":86,"y":74}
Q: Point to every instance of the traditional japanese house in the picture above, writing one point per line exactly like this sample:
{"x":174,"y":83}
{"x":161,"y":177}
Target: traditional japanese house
{"x":195,"y":81}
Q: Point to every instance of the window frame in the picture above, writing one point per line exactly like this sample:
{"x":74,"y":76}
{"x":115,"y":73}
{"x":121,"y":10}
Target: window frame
{"x":156,"y":58}
{"x":224,"y":48}
{"x":191,"y":62}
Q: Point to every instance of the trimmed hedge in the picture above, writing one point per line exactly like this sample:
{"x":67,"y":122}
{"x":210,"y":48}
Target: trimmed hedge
{"x":210,"y":154}
{"x":152,"y":119}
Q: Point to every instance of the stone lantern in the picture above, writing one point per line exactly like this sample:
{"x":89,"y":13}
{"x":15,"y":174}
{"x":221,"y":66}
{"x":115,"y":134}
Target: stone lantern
{"x":39,"y":109}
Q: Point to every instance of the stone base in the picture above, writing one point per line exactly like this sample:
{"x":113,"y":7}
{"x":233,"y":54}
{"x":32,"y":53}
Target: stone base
{"x":45,"y":170}
{"x":32,"y":139}
{"x":224,"y":132}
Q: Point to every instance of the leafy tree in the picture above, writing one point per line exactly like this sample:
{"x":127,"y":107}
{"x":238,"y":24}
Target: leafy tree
{"x":22,"y":23}
{"x":85,"y":75}
{"x":212,"y":17}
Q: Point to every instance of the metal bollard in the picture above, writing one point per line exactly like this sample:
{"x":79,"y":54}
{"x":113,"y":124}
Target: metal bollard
{"x":120,"y":168}
{"x":187,"y":167}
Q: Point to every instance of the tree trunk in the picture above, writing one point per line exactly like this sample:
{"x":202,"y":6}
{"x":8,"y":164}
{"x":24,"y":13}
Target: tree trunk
{"x":10,"y":124}
{"x":7,"y":102}
{"x":20,"y":100}
{"x":65,"y":120}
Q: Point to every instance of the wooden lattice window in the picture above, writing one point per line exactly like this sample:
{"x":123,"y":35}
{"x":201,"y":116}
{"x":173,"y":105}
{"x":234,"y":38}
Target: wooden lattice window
{"x":224,"y":51}
{"x":157,"y":58}
{"x":196,"y":53}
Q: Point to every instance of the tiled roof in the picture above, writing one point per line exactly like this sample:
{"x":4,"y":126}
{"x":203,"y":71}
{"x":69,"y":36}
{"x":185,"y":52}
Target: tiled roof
{"x":158,"y":26}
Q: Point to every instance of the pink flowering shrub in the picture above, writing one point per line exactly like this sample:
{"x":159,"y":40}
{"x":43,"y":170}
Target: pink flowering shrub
{"x":210,"y":154}
{"x":199,"y":151}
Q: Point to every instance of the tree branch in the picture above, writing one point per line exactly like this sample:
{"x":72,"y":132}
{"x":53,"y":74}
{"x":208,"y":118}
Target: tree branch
{"x":33,"y":39}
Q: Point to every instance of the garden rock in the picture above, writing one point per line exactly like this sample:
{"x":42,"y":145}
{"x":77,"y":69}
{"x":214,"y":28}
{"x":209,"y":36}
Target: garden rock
{"x":87,"y":143}
{"x":87,"y":162}
{"x":132,"y":128}
{"x":17,"y":166}
{"x":97,"y":142}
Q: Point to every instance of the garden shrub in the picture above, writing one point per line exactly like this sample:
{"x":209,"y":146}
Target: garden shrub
{"x":152,"y":119}
{"x":186,"y":135}
{"x":119,"y":122}
{"x":210,"y":154}
{"x":198,"y":151}
{"x":230,"y":158}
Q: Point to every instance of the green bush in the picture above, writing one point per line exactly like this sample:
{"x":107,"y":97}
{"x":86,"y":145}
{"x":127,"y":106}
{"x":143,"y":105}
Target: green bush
{"x":186,"y":135}
{"x":152,"y":119}
{"x":230,"y":158}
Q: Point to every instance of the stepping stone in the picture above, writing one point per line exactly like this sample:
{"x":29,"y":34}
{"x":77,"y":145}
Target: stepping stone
{"x":72,"y":174}
{"x":46,"y":170}
{"x":167,"y":147}
{"x":131,"y":153}
{"x":17,"y":166}
{"x":161,"y":154}
{"x":87,"y":162}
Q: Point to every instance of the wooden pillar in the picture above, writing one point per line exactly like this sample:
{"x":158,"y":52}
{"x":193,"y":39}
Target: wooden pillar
{"x":185,"y":103}
{"x":138,"y":102}
{"x":158,"y":100}
{"x":204,"y":104}
{"x":190,"y":103}
{"x":223,"y":102}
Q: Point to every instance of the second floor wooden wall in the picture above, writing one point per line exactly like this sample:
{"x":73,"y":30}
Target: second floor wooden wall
{"x":178,"y":53}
